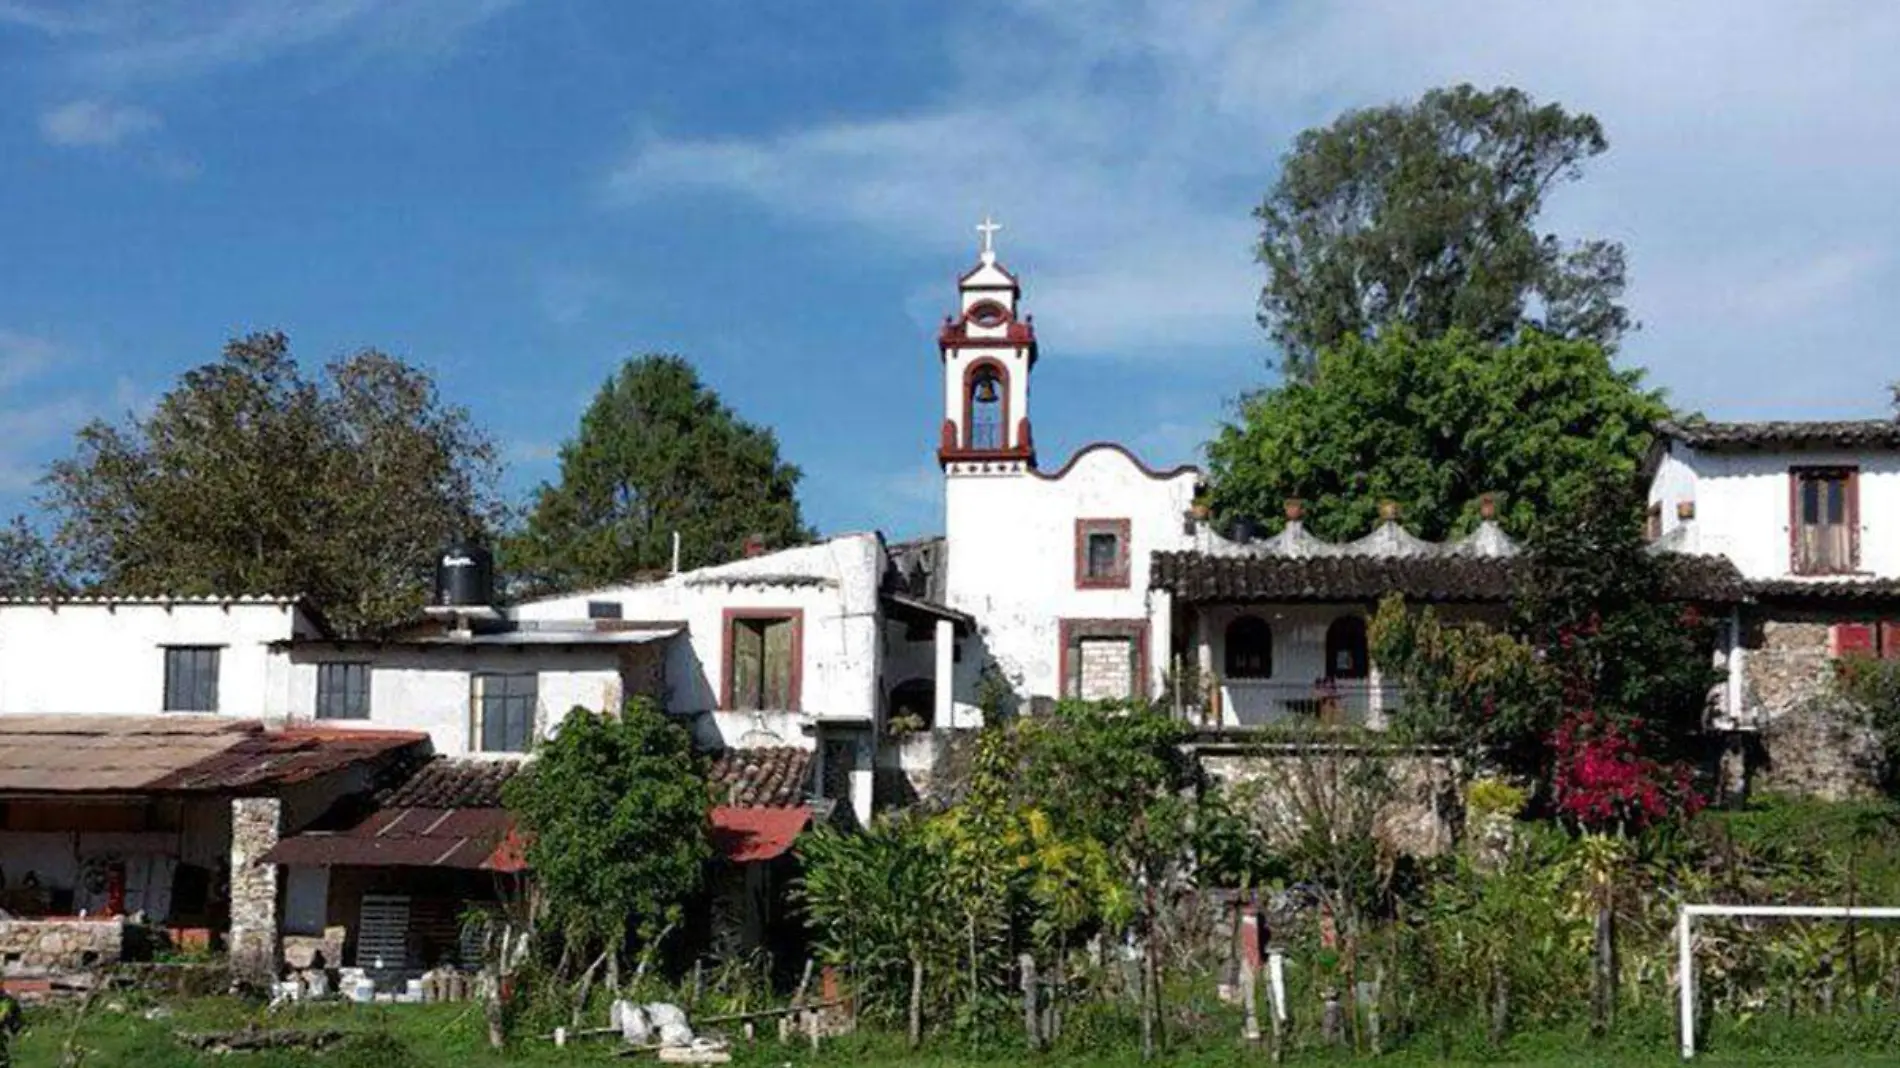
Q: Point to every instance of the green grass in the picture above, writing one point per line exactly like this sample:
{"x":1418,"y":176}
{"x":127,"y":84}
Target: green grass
{"x":453,"y":1036}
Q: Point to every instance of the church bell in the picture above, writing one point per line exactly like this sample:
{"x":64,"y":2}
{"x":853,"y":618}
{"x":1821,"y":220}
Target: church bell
{"x":986,"y":390}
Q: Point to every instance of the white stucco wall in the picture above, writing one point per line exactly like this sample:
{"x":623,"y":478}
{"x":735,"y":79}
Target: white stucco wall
{"x":109,"y":657}
{"x":834,"y":584}
{"x":1741,"y":504}
{"x":1673,"y":483}
{"x":429,"y":688}
{"x":1012,"y":556}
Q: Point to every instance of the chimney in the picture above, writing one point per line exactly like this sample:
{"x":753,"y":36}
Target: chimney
{"x":754,"y":545}
{"x":1685,"y":511}
{"x":1488,"y":507}
{"x":1389,"y":511}
{"x":1295,"y":509}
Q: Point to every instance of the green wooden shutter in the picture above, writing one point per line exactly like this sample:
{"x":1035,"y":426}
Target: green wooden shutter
{"x":778,"y":648}
{"x":748,"y":651}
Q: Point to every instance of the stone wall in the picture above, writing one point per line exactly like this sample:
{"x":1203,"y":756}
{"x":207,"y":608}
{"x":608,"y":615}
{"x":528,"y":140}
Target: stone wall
{"x":1811,"y":744}
{"x":256,"y":823}
{"x":929,"y":768}
{"x":1289,"y":782}
{"x":39,"y":947}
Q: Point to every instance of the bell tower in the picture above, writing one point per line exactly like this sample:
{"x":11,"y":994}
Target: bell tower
{"x":987,"y":350}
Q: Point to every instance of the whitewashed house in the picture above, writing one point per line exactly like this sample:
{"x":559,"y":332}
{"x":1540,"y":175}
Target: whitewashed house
{"x":1099,"y":580}
{"x":142,"y":774}
{"x":1809,"y":513}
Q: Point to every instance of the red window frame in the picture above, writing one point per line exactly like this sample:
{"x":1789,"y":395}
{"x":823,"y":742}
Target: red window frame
{"x":796,"y":685}
{"x":1120,"y":578}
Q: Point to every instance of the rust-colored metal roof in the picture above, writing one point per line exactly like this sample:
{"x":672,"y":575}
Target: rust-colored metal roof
{"x":480,"y":839}
{"x":743,"y":835}
{"x":270,"y":759}
{"x":176,"y":753}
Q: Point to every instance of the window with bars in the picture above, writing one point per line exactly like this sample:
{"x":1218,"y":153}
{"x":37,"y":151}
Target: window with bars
{"x":343,"y":691}
{"x":762,"y":664}
{"x":191,"y":678}
{"x":504,"y":707}
{"x":1825,"y":515}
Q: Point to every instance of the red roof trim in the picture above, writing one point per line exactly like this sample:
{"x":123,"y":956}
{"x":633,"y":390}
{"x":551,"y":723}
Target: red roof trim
{"x":1174,"y":472}
{"x":745,"y":835}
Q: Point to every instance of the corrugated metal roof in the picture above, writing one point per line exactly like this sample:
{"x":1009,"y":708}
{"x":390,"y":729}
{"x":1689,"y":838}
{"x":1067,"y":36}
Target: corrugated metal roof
{"x":175,"y":753}
{"x":744,"y":835}
{"x":271,"y":759}
{"x":476,"y":839}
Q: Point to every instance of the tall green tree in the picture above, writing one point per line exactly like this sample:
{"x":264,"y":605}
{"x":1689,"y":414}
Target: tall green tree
{"x":658,"y":453}
{"x":614,"y":809}
{"x":1425,"y":214}
{"x":251,"y":477}
{"x":1436,"y":423}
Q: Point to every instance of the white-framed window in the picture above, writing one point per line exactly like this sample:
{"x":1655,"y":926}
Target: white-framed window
{"x":503,"y":711}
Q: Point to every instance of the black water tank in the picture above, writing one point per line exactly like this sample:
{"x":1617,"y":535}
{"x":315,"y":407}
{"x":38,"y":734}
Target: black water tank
{"x":1243,"y":531}
{"x":465,"y":577}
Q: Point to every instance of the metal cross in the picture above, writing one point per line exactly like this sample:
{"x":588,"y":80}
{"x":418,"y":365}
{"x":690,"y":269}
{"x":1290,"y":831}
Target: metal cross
{"x":988,"y":230}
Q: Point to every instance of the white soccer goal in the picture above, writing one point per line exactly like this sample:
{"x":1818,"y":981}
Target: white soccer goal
{"x":1685,"y":943}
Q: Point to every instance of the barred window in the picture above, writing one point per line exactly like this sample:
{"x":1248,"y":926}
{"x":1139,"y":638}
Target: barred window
{"x":343,"y":691}
{"x":191,"y":678}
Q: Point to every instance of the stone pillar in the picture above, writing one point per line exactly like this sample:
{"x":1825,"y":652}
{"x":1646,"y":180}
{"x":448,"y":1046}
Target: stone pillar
{"x":256,"y":823}
{"x":945,"y":712}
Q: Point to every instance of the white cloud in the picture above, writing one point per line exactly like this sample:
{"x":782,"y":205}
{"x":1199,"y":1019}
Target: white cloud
{"x":126,"y":41}
{"x":95,"y":123}
{"x":32,"y":424}
{"x":1754,"y":149}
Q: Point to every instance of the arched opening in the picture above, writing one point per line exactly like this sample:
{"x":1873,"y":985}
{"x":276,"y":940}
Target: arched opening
{"x":1248,"y":649}
{"x":986,"y":407}
{"x":1346,"y":656}
{"x":913,"y":707}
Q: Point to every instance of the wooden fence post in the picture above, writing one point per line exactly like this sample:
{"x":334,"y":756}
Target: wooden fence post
{"x":1032,"y":1021}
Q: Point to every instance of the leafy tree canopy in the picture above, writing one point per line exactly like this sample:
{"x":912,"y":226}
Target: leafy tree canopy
{"x":1595,"y":686}
{"x":615,"y":812}
{"x":1424,"y":214}
{"x":29,"y":567}
{"x":1436,"y":423}
{"x":657,"y":453}
{"x":249,"y":477}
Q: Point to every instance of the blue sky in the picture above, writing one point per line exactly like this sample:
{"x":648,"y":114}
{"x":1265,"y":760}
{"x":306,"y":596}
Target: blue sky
{"x":518,"y":195}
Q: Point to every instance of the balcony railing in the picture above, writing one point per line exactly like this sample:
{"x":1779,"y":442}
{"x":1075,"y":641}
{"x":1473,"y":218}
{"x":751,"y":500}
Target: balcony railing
{"x":1326,"y":703}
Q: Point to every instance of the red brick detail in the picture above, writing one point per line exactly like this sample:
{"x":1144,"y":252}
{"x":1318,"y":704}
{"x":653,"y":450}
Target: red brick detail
{"x":797,"y":684}
{"x":1119,"y":579}
{"x":1852,"y":639}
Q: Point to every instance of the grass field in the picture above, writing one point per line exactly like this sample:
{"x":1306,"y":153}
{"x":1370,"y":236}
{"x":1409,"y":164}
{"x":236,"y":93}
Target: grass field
{"x":452,"y":1036}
